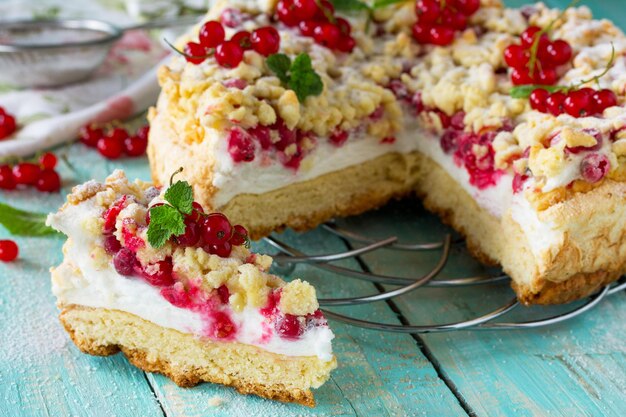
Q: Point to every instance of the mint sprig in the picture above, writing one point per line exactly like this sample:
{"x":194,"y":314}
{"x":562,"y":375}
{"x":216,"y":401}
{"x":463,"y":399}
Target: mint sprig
{"x":298,"y":75}
{"x":25,"y":223}
{"x":384,"y":3}
{"x":168,"y":220}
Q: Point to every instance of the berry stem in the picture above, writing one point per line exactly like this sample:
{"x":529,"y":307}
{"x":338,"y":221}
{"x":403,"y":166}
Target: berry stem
{"x":178,"y":171}
{"x":327,"y":13}
{"x":178,"y":51}
{"x":535,"y":46}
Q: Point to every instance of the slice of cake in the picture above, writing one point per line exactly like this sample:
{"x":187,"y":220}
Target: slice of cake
{"x":147,"y":272}
{"x":413,"y":99}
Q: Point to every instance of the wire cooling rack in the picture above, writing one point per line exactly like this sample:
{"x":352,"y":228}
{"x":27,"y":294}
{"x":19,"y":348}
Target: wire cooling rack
{"x":289,"y":256}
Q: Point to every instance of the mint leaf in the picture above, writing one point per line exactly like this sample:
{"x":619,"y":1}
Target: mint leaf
{"x":25,"y":223}
{"x":180,"y":195}
{"x":298,"y":76}
{"x":349,"y":5}
{"x":304,"y":80}
{"x":279,"y":64}
{"x":523,"y":91}
{"x":165,"y":222}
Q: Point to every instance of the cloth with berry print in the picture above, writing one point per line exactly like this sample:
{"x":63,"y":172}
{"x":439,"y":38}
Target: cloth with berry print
{"x":123,"y":86}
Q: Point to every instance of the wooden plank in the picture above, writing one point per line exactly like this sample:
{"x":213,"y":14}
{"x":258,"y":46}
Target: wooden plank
{"x":377,"y":376}
{"x":42,"y":373}
{"x":575,"y":368}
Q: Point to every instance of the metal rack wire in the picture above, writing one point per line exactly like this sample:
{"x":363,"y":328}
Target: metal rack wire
{"x":289,"y":256}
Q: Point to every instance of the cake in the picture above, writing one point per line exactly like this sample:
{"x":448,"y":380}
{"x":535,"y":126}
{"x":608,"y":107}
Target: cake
{"x":508,"y":123}
{"x":195,"y":305}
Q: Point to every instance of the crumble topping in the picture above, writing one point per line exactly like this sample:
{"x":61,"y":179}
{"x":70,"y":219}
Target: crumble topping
{"x":389,"y":78}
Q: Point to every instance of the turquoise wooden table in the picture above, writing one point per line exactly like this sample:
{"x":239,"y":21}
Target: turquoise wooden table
{"x":577,"y":368}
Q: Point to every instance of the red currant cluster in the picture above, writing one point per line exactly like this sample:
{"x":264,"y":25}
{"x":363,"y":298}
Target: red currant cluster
{"x":7,"y":124}
{"x":212,"y":232}
{"x":317,"y":19}
{"x":40,"y":175}
{"x":437,"y":21}
{"x":116,"y":142}
{"x":8,"y":250}
{"x":229,"y":53}
{"x":549,"y":55}
{"x":577,"y":103}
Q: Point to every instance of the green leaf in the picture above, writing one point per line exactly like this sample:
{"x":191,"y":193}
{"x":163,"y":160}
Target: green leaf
{"x":25,"y":223}
{"x":279,"y":64}
{"x":349,"y":5}
{"x":180,"y":195}
{"x":165,"y":222}
{"x":378,"y":4}
{"x":523,"y":91}
{"x":304,"y":80}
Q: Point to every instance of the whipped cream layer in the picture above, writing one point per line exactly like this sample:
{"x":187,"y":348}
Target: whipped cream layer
{"x":257,"y":177}
{"x":80,"y":281}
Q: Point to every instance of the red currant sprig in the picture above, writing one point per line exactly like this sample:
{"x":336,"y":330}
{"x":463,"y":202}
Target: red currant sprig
{"x":40,"y":175}
{"x":316,"y":19}
{"x":116,"y":142}
{"x":229,"y":53}
{"x":535,"y":59}
{"x":577,"y":103}
{"x":439,"y":20}
{"x":7,"y":124}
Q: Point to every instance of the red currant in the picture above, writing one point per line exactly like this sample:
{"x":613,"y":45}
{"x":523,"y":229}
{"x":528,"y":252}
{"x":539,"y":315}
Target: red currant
{"x":307,"y":27}
{"x":159,"y":274}
{"x":546,"y":76}
{"x":594,"y":167}
{"x":421,"y":32}
{"x":304,"y":9}
{"x":8,"y":250}
{"x":427,"y":11}
{"x":346,"y":44}
{"x":603,"y":99}
{"x":554,"y":103}
{"x":242,"y":38}
{"x":211,"y":34}
{"x":222,"y":250}
{"x":343,"y":25}
{"x":538,"y":99}
{"x":48,"y":160}
{"x":240,"y":235}
{"x":26,"y":173}
{"x":7,"y":180}
{"x":577,"y":103}
{"x":112,"y":145}
{"x":241,"y":146}
{"x":263,"y":135}
{"x":223,"y":294}
{"x":528,"y":37}
{"x":229,"y":54}
{"x":441,"y":35}
{"x":124,"y":262}
{"x":265,"y":40}
{"x":325,"y":10}
{"x":196,"y":212}
{"x":216,"y":229}
{"x":111,"y":244}
{"x":520,"y":76}
{"x":339,"y":137}
{"x":48,"y":181}
{"x":285,"y":12}
{"x":143,"y":131}
{"x":327,"y":34}
{"x":90,"y":135}
{"x":232,"y":18}
{"x":191,"y":235}
{"x":135,"y":145}
{"x":7,"y":125}
{"x":559,"y":52}
{"x":288,"y":327}
{"x":516,"y":57}
{"x":467,"y":7}
{"x":195,"y":53}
